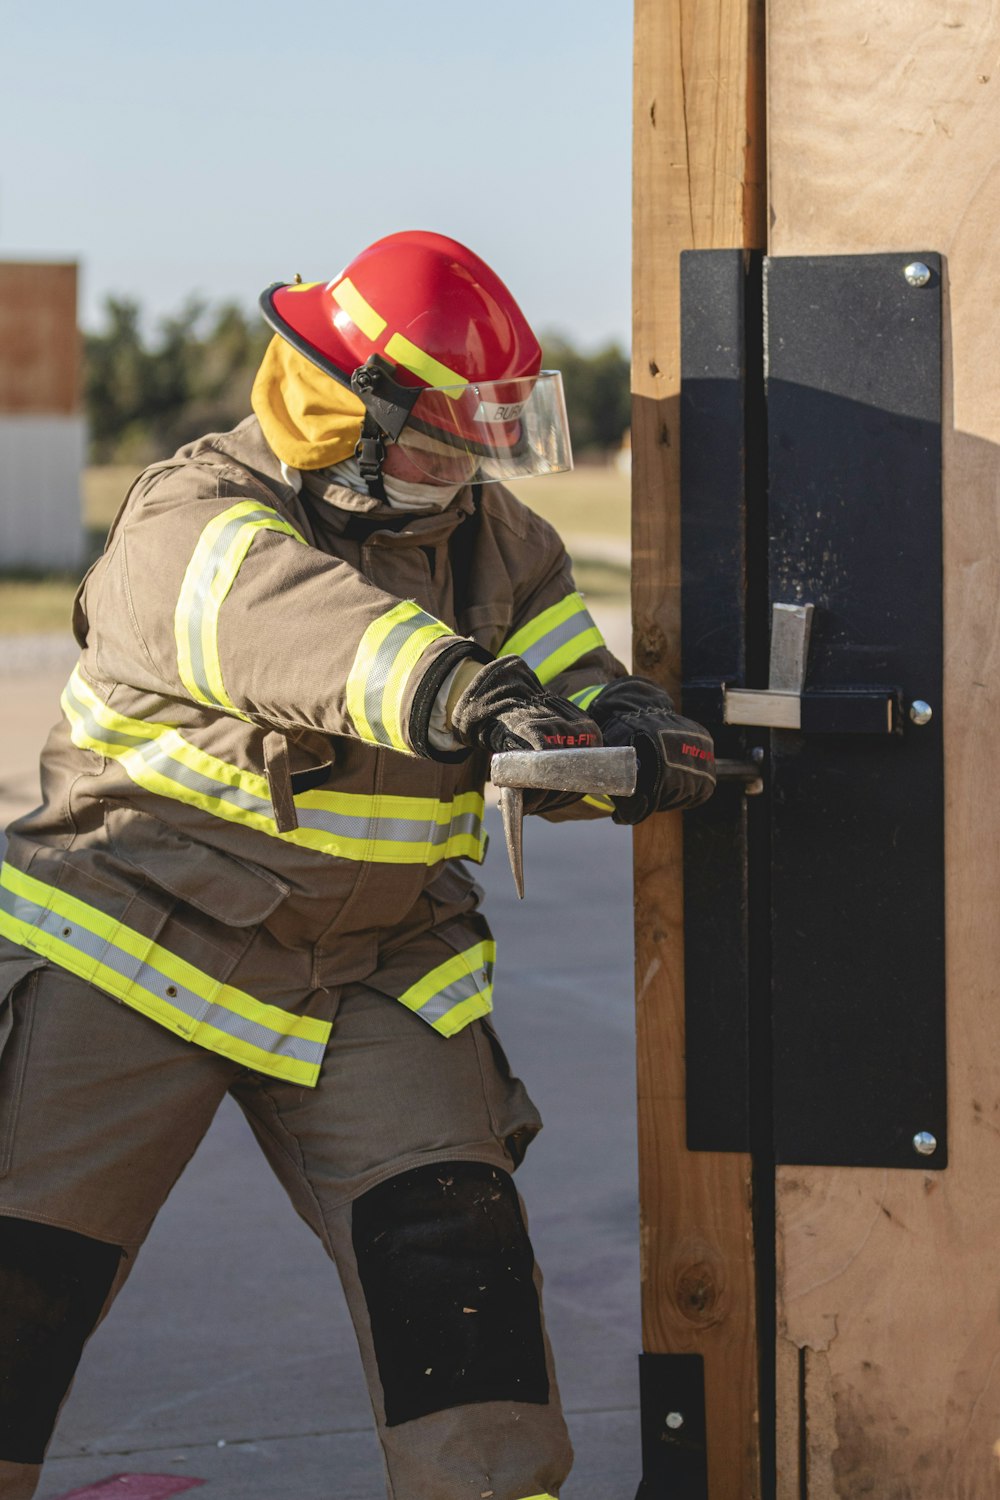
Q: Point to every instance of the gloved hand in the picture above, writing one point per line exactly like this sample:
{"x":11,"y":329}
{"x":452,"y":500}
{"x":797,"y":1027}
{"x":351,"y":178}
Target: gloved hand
{"x":505,"y":707}
{"x":676,"y":758}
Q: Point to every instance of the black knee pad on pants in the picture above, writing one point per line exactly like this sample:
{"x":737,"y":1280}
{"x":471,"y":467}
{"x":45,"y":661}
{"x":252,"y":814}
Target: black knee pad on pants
{"x":446,"y":1268}
{"x":53,"y":1285}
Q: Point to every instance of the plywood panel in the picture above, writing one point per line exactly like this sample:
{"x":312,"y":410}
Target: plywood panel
{"x":884,"y":127}
{"x":39,"y":345}
{"x":698,"y":147}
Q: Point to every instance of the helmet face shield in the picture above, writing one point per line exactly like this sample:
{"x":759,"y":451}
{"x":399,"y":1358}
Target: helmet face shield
{"x":489,"y":431}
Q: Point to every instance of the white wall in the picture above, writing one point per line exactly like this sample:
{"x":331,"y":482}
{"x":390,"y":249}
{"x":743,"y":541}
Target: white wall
{"x":41,"y":459}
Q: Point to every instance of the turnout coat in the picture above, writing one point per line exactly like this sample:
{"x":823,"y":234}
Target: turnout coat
{"x":240,"y":809}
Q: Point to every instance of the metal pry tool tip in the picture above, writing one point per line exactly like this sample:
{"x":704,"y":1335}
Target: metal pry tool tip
{"x":607,"y":772}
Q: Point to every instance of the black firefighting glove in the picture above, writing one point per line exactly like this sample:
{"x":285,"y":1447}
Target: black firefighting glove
{"x":505,"y":707}
{"x":676,"y":758}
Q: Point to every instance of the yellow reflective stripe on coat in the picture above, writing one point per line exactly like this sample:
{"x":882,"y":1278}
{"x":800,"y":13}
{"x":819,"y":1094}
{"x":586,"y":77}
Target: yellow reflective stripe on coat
{"x":343,"y":825}
{"x":210,"y":575}
{"x":556,"y":638}
{"x":162,"y":985}
{"x":585,"y":697}
{"x":388,"y":652}
{"x":603,"y":804}
{"x":457,"y":991}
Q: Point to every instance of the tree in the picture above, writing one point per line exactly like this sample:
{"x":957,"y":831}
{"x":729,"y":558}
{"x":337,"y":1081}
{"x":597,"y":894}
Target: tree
{"x":145,"y":400}
{"x":598,"y":400}
{"x":119,"y":378}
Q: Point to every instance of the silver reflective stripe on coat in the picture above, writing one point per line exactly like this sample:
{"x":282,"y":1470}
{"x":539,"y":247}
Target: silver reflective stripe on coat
{"x":162,"y":985}
{"x":342,"y":825}
{"x":388,"y":654}
{"x":555,"y":639}
{"x":455,"y":992}
{"x":211,"y":573}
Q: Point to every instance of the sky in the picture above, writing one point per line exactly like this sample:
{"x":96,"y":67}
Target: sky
{"x":216,"y":147}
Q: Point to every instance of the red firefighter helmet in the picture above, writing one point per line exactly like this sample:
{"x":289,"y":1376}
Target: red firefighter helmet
{"x":433,"y":343}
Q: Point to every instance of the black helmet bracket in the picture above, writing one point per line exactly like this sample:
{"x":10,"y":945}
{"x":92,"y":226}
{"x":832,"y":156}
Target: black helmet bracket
{"x":387,"y":410}
{"x":385,"y":400}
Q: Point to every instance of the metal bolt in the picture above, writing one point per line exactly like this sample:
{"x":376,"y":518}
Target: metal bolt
{"x":674,"y":1420}
{"x":921,"y":712}
{"x":916,"y":273}
{"x":757,"y":754}
{"x":924,"y":1143}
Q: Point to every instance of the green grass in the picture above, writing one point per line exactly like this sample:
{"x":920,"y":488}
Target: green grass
{"x":104,"y":488}
{"x":33,"y":606}
{"x":590,"y":499}
{"x":587,"y":501}
{"x":602,"y":580}
{"x":43,"y":605}
{"x":594,"y":499}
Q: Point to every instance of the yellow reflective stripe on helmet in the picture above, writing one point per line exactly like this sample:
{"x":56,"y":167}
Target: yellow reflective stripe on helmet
{"x":210,"y":575}
{"x":398,"y":347}
{"x":556,"y":638}
{"x":388,"y":652}
{"x":344,"y":825}
{"x":424,"y":365}
{"x":158,"y":983}
{"x":454,"y":993}
{"x":360,"y":312}
{"x":585,"y":697}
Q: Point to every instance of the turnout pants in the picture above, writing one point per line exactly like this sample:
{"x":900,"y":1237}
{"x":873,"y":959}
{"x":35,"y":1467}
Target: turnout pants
{"x":399,"y":1160}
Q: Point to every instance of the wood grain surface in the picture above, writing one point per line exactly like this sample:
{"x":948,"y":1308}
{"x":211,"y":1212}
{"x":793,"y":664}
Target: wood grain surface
{"x":698,"y":183}
{"x":884,"y":129}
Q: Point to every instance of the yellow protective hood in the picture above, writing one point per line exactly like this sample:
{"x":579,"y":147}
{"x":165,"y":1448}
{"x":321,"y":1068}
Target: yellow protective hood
{"x":309,"y":419}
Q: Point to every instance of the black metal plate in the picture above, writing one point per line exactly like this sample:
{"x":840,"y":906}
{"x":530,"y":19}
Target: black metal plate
{"x":854,"y":442}
{"x":713,"y":645}
{"x":852,"y":712}
{"x":674,"y":1443}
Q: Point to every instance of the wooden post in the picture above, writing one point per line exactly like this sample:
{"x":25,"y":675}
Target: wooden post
{"x":698,"y":184}
{"x":884,"y":127}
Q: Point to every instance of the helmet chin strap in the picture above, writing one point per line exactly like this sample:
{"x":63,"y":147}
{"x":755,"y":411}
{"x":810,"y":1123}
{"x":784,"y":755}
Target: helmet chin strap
{"x":387,"y":409}
{"x":369,"y":453}
{"x":402,"y":495}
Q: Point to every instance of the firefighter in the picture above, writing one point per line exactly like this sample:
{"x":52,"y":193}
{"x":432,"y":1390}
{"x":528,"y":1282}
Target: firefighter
{"x":249,"y":872}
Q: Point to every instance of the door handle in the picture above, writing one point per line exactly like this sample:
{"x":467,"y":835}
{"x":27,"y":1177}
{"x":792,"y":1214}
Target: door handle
{"x":785,"y":703}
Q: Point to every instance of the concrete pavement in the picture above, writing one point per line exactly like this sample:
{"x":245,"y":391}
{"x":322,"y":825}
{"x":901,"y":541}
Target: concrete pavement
{"x":33,"y":673}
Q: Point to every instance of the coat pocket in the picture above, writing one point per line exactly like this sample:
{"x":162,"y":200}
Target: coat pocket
{"x":15,"y":1031}
{"x":223,"y":886}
